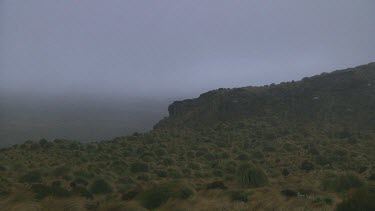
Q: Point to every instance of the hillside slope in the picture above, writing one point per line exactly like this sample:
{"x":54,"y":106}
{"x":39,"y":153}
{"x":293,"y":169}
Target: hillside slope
{"x":334,"y":98}
{"x":304,"y":145}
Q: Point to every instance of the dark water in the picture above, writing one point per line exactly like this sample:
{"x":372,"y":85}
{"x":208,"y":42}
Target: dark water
{"x":82,"y":119}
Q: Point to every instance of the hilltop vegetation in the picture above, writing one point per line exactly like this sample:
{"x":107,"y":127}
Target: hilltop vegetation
{"x":304,"y":145}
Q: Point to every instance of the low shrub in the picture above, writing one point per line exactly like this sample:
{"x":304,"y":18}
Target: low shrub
{"x":217,"y":173}
{"x":129,"y":195}
{"x":239,"y":196}
{"x":371,"y":177}
{"x":41,"y":191}
{"x":362,"y":199}
{"x":161,"y":173}
{"x":4,"y":187}
{"x":144,"y":177}
{"x":56,"y":183}
{"x":84,"y":174}
{"x":251,"y":176}
{"x":82,"y":191}
{"x":216,"y":185}
{"x":137,"y":167}
{"x":160,"y":152}
{"x":342,"y":182}
{"x":160,"y":194}
{"x":60,"y":170}
{"x":285,"y":172}
{"x":81,"y":181}
{"x":175,"y":173}
{"x":168,"y":161}
{"x":307,"y":166}
{"x":289,"y":193}
{"x":100,"y":186}
{"x":243,"y":157}
{"x":194,"y":166}
{"x":328,"y":200}
{"x":34,"y":176}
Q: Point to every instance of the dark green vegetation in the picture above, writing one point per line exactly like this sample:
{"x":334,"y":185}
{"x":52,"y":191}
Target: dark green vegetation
{"x":301,"y":145}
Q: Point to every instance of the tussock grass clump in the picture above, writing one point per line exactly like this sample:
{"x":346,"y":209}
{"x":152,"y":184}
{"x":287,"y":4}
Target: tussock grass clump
{"x":239,"y":196}
{"x":60,"y":171}
{"x":160,"y":194}
{"x":34,"y":176}
{"x":137,"y":167}
{"x":41,"y":191}
{"x":4,"y":187}
{"x":289,"y":193}
{"x":100,"y":186}
{"x":363,"y":199}
{"x":342,"y":182}
{"x":307,"y":166}
{"x":285,"y":172}
{"x":84,"y":174}
{"x":216,"y":185}
{"x":251,"y":176}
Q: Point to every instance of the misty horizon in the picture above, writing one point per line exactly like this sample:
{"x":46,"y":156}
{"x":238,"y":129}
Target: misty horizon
{"x":172,"y":49}
{"x":126,"y":61}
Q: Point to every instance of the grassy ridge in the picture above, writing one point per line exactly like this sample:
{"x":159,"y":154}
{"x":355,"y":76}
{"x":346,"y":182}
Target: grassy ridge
{"x":298,"y":145}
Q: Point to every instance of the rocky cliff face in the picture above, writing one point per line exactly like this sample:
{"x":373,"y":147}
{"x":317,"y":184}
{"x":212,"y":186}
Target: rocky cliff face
{"x":337,"y":97}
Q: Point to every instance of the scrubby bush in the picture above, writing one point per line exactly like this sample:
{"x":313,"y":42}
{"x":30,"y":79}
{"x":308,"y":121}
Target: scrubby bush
{"x":84,"y":174}
{"x":321,"y":160}
{"x":161,"y":173}
{"x":258,"y":155}
{"x":217,"y":173}
{"x":289,"y":193}
{"x":81,"y":181}
{"x":239,"y":196}
{"x":251,"y":176}
{"x":100,"y":186}
{"x":34,"y":176}
{"x":144,"y":177}
{"x":285,"y":172}
{"x":129,"y":195}
{"x":137,"y":167}
{"x":43,"y":141}
{"x":194,"y":166}
{"x":175,"y":173}
{"x":160,"y":194}
{"x":243,"y":156}
{"x":4,"y":187}
{"x":363,"y":200}
{"x":328,"y":200}
{"x":56,"y":183}
{"x":186,"y":172}
{"x":307,"y":166}
{"x":372,"y":177}
{"x":216,"y":185}
{"x":60,"y":171}
{"x":41,"y":191}
{"x":290,"y":147}
{"x":82,"y":191}
{"x":168,"y":162}
{"x":160,"y":152}
{"x":342,"y":182}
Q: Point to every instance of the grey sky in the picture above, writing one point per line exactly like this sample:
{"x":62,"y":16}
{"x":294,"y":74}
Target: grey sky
{"x":161,"y":48}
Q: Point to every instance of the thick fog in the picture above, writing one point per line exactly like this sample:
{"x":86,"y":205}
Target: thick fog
{"x":118,"y":52}
{"x":167,"y":48}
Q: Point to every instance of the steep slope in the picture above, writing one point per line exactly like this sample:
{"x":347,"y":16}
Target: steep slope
{"x":304,"y":145}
